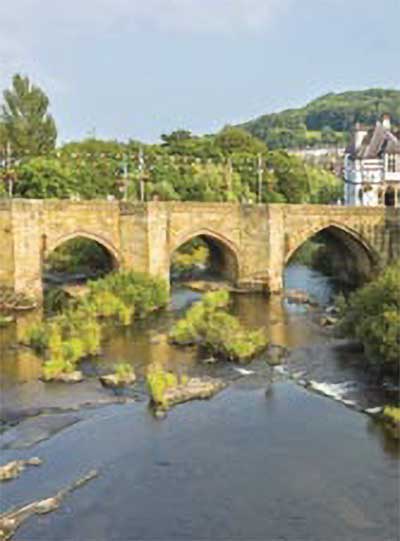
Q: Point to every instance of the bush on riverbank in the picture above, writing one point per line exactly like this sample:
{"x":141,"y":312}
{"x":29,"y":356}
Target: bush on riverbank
{"x":209,"y":324}
{"x":372,"y":315}
{"x":76,"y":332}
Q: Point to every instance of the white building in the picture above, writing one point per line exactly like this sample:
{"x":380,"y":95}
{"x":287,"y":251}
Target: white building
{"x":372,"y":167}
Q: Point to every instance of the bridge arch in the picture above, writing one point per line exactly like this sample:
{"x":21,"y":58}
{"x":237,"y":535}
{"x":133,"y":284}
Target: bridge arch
{"x":224,"y":253}
{"x":82,"y":234}
{"x":352,"y":251}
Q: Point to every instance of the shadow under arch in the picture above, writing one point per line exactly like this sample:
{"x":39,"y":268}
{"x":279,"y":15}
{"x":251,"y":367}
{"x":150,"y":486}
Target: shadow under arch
{"x":224,"y":259}
{"x":352,"y":258}
{"x":78,"y":254}
{"x":81,"y":234}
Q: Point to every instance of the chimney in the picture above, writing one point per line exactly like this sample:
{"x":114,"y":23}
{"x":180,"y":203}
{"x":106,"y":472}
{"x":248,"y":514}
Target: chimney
{"x":386,"y":122}
{"x":359,"y":134}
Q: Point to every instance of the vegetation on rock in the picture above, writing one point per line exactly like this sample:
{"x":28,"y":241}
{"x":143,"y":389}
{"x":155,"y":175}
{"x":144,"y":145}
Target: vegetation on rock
{"x":123,"y":375}
{"x":158,"y":381}
{"x":76,"y":332}
{"x":207,"y":323}
{"x":167,"y":389}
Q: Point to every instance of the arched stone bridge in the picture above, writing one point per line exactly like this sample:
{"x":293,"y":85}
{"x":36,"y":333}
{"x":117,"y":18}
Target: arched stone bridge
{"x":252,"y":243}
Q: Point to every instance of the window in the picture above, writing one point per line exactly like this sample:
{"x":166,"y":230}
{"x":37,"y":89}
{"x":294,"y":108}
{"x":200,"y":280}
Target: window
{"x":392,"y":163}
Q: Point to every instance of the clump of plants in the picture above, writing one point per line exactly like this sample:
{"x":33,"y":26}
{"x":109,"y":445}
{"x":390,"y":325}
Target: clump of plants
{"x":123,"y":371}
{"x":65,"y":339}
{"x":76,"y":332}
{"x":158,"y":382}
{"x":123,"y":376}
{"x":372,"y":315}
{"x":209,"y":325}
{"x":391,"y":420}
{"x":135,"y":290}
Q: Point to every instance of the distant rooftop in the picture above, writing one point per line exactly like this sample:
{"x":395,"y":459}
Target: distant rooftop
{"x":377,"y":141}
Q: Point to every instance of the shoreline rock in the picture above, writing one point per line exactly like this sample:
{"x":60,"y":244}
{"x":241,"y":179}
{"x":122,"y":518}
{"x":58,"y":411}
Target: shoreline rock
{"x":13,"y":469}
{"x":11,"y":520}
{"x":115,"y":381}
{"x":297,"y":296}
{"x":71,"y":377}
{"x":193,"y":389}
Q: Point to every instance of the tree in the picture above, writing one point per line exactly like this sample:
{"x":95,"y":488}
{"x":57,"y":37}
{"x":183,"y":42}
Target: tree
{"x":372,"y":315}
{"x":42,"y":178}
{"x":29,"y":128}
{"x":232,"y":139}
{"x":3,"y":141}
{"x":176,"y":137}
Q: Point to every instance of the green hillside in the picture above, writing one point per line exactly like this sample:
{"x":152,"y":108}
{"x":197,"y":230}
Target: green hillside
{"x":325,"y":120}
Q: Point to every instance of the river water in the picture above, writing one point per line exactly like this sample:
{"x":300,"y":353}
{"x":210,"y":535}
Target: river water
{"x":266,"y":459}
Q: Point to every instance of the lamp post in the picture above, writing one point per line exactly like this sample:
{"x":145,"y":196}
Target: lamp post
{"x":260,"y":175}
{"x":141,"y":174}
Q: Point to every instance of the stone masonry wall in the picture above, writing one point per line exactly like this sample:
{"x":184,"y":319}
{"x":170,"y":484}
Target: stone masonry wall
{"x":258,"y":239}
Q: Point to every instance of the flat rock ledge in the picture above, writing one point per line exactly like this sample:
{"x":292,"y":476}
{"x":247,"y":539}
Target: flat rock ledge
{"x":297,"y":296}
{"x":193,"y":389}
{"x":114,"y":381}
{"x":11,"y":520}
{"x":205,"y":286}
{"x":71,"y":377}
{"x":13,"y":469}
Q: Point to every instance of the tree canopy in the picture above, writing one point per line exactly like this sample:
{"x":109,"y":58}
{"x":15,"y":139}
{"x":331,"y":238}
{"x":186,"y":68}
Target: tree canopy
{"x":27,"y":125}
{"x":227,"y":166}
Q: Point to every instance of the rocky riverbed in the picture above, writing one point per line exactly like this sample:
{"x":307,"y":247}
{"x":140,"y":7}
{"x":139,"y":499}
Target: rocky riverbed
{"x":288,"y":429}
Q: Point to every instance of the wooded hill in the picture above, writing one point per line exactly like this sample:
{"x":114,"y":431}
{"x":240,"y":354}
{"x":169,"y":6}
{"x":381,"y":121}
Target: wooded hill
{"x":326,"y":120}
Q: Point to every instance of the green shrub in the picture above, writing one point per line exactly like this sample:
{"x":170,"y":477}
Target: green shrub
{"x":158,"y":381}
{"x":141,"y":291}
{"x":36,"y":336}
{"x":372,"y":315}
{"x":123,"y":371}
{"x":209,"y":324}
{"x":56,"y":367}
{"x":76,"y":332}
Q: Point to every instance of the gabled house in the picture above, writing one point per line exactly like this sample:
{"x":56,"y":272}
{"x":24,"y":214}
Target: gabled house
{"x":372,"y":166}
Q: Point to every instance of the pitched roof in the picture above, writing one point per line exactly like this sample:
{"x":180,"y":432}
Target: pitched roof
{"x":378,"y":141}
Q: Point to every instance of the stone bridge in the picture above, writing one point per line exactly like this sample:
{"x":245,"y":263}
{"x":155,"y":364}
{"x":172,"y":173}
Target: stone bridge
{"x":251,"y":244}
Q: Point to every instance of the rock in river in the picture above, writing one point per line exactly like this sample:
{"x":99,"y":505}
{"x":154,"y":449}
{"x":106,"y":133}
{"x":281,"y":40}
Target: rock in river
{"x":115,"y":380}
{"x":275,"y":354}
{"x":192,"y":389}
{"x":67,"y":377}
{"x":13,"y":469}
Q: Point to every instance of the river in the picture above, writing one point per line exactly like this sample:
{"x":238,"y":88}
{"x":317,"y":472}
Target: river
{"x":266,"y":459}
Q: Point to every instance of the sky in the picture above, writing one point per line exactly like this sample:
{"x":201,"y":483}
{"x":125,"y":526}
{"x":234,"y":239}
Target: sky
{"x":133,"y":69}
